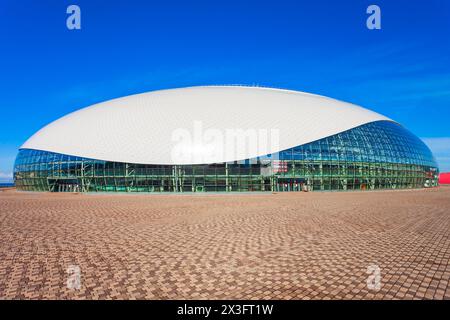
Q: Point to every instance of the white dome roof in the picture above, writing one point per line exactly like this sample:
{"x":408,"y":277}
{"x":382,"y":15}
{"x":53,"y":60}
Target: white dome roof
{"x":154,"y":127}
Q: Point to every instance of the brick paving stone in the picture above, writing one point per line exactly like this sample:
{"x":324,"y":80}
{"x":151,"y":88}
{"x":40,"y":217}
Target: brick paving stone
{"x":237,"y":246}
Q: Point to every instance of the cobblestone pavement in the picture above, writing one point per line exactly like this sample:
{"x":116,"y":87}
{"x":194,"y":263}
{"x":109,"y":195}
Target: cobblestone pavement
{"x":241,"y":246}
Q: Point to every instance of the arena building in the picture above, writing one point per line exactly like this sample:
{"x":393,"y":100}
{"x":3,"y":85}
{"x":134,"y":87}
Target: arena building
{"x":223,"y":139}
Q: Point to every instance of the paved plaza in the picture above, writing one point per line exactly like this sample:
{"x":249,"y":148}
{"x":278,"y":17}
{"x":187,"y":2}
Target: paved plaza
{"x":216,"y":246}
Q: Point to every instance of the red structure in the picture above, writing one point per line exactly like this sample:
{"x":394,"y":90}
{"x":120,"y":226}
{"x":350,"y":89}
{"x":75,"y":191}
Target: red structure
{"x":444,"y":178}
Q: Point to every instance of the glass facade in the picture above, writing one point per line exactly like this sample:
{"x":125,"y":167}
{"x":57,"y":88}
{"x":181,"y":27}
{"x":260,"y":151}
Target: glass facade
{"x":377,"y":155}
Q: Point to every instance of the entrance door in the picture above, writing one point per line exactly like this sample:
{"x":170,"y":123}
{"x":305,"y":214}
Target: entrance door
{"x":64,"y":185}
{"x":289,"y":184}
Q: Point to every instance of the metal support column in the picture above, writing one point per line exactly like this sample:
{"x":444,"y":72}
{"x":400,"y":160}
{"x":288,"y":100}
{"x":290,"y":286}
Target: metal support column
{"x":227,"y":184}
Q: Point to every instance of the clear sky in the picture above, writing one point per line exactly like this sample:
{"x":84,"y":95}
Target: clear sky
{"x":127,"y":47}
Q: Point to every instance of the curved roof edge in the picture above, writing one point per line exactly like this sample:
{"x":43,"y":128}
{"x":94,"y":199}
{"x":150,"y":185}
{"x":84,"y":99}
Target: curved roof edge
{"x":195,"y":125}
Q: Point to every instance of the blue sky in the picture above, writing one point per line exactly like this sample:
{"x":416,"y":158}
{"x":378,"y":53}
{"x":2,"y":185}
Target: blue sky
{"x":127,"y":47}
